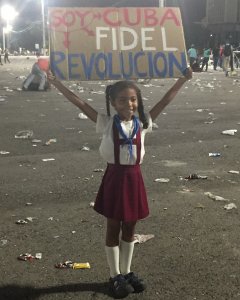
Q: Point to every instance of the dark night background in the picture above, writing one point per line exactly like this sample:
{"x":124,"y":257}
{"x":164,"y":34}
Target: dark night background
{"x":28,"y":29}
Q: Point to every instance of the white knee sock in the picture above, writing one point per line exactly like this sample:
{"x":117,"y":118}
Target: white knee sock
{"x":126,"y":253}
{"x":113,"y":260}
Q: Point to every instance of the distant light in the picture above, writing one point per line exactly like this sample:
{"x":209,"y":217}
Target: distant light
{"x":7,"y":29}
{"x":8,"y":13}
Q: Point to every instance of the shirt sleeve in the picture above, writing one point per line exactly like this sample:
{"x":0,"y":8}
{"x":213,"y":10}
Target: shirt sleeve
{"x":102,"y":121}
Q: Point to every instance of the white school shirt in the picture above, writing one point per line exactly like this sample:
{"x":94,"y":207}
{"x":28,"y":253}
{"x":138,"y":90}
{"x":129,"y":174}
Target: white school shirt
{"x":104,"y":125}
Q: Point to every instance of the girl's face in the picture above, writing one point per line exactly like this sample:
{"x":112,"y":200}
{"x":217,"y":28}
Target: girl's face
{"x":126,"y":103}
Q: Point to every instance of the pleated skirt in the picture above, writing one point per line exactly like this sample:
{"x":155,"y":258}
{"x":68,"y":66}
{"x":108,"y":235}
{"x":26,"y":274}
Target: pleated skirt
{"x":122,"y":195}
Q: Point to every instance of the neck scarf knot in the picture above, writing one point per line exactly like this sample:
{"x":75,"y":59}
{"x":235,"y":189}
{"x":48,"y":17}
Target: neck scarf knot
{"x":127,"y":140}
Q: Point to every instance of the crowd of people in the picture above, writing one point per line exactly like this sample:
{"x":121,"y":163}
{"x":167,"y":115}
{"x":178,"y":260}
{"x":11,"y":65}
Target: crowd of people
{"x":223,"y":56}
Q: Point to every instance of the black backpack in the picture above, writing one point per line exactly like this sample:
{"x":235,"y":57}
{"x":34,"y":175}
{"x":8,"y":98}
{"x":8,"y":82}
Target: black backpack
{"x":227,"y":50}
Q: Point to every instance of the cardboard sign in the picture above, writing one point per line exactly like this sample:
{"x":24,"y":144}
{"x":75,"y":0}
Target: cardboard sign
{"x":116,"y":43}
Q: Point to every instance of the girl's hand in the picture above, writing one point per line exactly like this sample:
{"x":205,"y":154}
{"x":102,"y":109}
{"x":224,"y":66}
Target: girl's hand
{"x":187,"y":73}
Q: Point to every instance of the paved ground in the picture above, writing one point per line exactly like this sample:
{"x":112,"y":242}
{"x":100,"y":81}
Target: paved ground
{"x":196,"y":250}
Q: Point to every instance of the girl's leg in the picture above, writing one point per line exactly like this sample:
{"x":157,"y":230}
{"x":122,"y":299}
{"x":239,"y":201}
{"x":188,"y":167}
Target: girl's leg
{"x":127,"y":246}
{"x":126,"y":253}
{"x":118,"y":284}
{"x":112,"y":246}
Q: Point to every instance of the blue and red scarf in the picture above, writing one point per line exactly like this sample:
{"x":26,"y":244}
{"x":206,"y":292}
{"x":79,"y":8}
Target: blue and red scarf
{"x":127,"y":140}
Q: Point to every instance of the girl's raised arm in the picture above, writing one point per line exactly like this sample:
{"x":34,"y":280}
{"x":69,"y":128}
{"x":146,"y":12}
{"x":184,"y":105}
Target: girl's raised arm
{"x":85,"y":107}
{"x":168,"y":97}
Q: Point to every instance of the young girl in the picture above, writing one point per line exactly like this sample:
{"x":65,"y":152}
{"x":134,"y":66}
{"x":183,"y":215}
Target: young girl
{"x":122,"y":197}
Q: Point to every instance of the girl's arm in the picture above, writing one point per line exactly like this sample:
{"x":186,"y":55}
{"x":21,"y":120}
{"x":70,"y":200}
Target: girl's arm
{"x":85,"y":107}
{"x":168,"y":97}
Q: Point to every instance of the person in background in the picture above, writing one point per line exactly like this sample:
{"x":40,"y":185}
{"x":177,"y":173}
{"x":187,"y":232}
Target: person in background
{"x":216,"y":56}
{"x":40,"y":69}
{"x":6,"y":56}
{"x":192,"y":55}
{"x":227,"y":58}
{"x":206,"y":55}
{"x":221,"y":56}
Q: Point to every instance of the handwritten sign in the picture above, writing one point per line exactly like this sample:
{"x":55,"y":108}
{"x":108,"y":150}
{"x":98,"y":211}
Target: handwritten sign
{"x":116,"y":43}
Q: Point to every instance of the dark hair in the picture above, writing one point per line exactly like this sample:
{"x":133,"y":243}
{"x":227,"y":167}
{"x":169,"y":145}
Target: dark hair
{"x":113,"y":90}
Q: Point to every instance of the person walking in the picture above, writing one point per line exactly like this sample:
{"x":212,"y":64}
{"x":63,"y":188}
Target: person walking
{"x":227,"y":58}
{"x":206,"y":55}
{"x":216,"y":56}
{"x":221,"y":56}
{"x":192,"y":55}
{"x":122,"y":198}
{"x":6,"y":56}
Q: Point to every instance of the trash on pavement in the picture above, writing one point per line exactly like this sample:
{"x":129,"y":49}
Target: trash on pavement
{"x":22,"y":222}
{"x":48,"y":159}
{"x":97,"y":92}
{"x":214,"y":154}
{"x":38,"y":255}
{"x":24,"y":134}
{"x":82,"y":116}
{"x":162,"y":180}
{"x":91,"y":204}
{"x":84,"y":148}
{"x":98,"y":170}
{"x":233,"y":172}
{"x":81,"y":266}
{"x":8,"y":90}
{"x":25,"y":221}
{"x":142,"y":238}
{"x":50,"y":141}
{"x":215,"y":197}
{"x":229,"y":131}
{"x":72,"y":265}
{"x":4,"y":152}
{"x":196,"y":176}
{"x":3,"y":242}
{"x":30,"y":219}
{"x":30,"y":257}
{"x":2,"y":99}
{"x":185,"y":190}
{"x":209,"y":85}
{"x":230,"y":206}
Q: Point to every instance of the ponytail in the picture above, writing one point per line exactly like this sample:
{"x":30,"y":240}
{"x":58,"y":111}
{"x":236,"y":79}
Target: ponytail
{"x":108,"y":97}
{"x":141,"y":113}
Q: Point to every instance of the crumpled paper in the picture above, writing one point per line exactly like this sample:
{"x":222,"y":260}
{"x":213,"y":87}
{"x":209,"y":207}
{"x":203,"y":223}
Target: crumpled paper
{"x":142,"y":238}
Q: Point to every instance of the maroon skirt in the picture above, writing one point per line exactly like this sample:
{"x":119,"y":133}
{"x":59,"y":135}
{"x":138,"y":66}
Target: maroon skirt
{"x":122,"y":195}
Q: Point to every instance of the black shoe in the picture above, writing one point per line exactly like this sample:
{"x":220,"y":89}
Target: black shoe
{"x":137,"y":283}
{"x":119,"y":287}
